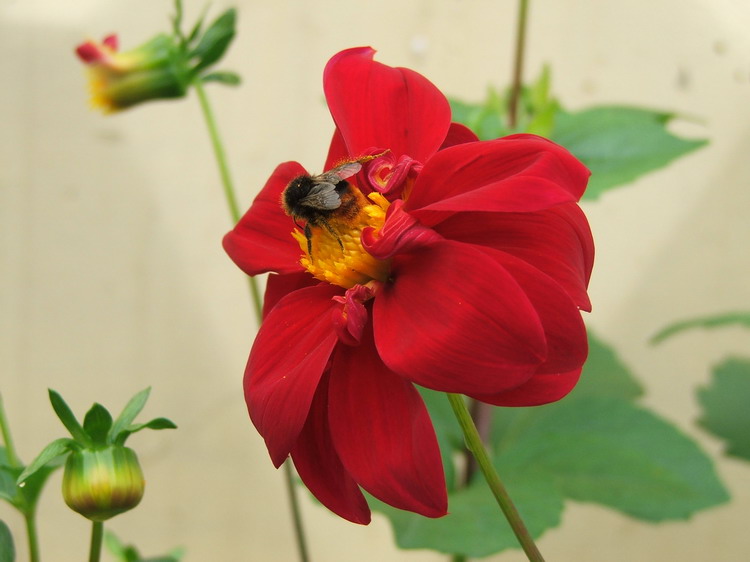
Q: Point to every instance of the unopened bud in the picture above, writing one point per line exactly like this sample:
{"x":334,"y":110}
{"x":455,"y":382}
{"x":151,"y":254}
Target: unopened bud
{"x":102,"y":483}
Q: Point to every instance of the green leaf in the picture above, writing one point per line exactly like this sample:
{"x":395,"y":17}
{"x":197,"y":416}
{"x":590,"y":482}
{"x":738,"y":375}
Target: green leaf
{"x":67,"y":418}
{"x":707,"y":322}
{"x":156,"y":423}
{"x":448,"y":433}
{"x":7,"y":549}
{"x":619,"y":144}
{"x":612,"y":452}
{"x":604,"y":374}
{"x":725,"y":410}
{"x":128,"y":553}
{"x":129,"y":413}
{"x":475,"y":526}
{"x":97,"y":424}
{"x":215,"y":41}
{"x":49,"y":453}
{"x":487,"y":120}
{"x":224,"y":77}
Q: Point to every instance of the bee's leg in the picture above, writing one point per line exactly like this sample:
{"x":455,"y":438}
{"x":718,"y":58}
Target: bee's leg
{"x":335,"y":234}
{"x":308,"y":235}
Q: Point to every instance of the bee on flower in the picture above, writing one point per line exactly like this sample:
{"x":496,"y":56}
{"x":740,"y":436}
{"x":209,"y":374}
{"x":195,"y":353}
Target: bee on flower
{"x":464,"y":270}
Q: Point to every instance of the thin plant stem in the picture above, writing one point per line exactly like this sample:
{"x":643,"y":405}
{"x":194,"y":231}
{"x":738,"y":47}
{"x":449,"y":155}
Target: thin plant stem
{"x":10,"y":450}
{"x":299,"y":529}
{"x":29,"y":511}
{"x":97,"y":532}
{"x":31,"y":535}
{"x":515,"y":92}
{"x":474,"y":444}
{"x":234,"y":211}
{"x":226,"y":181}
{"x":481,"y":413}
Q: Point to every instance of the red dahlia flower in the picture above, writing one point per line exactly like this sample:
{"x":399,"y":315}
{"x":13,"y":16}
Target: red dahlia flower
{"x":462,"y":269}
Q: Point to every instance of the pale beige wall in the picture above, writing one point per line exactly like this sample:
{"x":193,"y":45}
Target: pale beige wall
{"x":113,"y":277}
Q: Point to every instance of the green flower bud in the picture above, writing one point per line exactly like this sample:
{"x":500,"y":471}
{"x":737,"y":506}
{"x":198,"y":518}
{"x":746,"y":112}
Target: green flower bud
{"x":102,"y":483}
{"x":118,"y":80}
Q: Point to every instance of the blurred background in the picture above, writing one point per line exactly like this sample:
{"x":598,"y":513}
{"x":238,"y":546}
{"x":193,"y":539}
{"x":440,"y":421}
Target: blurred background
{"x":112,"y":276}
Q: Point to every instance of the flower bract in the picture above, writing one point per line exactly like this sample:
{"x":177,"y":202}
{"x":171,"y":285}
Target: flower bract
{"x":459,"y":265}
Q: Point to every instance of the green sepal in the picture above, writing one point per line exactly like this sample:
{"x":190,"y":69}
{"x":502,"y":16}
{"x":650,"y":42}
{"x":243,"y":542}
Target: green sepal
{"x":724,"y":402}
{"x":215,"y":41}
{"x":7,"y":548}
{"x":156,"y":423}
{"x":128,"y":414}
{"x":707,"y":322}
{"x":197,"y":28}
{"x":224,"y":77}
{"x":68,"y":419}
{"x":97,"y":423}
{"x":55,"y":449}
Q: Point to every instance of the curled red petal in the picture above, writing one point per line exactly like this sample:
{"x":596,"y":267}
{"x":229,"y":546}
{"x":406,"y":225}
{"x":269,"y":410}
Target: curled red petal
{"x":556,"y":241}
{"x":320,"y":468}
{"x":521,"y":173}
{"x":383,"y":433}
{"x":377,"y":105}
{"x":538,"y":390}
{"x":289,"y":355}
{"x":262,"y":240}
{"x":454,"y":320}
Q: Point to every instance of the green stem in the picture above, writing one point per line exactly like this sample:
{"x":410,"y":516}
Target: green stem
{"x":257,"y":299}
{"x":97,"y":532}
{"x":28,"y":511}
{"x":515,"y":93}
{"x":32,"y":536}
{"x":10,"y":450}
{"x":474,"y":443}
{"x":226,"y":181}
{"x":299,"y":530}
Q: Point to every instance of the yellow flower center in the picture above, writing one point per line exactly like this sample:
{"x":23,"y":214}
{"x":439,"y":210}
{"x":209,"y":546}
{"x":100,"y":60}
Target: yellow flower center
{"x":350,"y":265}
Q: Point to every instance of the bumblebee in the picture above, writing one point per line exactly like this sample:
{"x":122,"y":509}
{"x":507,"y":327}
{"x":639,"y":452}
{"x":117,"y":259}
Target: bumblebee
{"x":323,"y":198}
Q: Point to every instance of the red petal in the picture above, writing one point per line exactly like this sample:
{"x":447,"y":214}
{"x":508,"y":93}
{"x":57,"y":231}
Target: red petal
{"x":90,"y":52}
{"x":278,"y":286}
{"x":459,"y":134}
{"x":383,"y":433}
{"x":556,"y":241}
{"x":540,"y":389}
{"x":286,"y":362}
{"x":374,"y":105}
{"x":456,"y":321}
{"x":515,"y":174}
{"x":320,"y":468}
{"x":262,"y":240}
{"x":567,"y":345}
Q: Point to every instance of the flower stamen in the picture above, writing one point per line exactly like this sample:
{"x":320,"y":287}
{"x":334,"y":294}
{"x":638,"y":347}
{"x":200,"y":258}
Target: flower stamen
{"x":338,"y":256}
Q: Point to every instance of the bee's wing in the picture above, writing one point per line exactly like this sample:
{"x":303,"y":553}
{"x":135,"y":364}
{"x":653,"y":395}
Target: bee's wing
{"x":341,"y":172}
{"x":322,"y":196}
